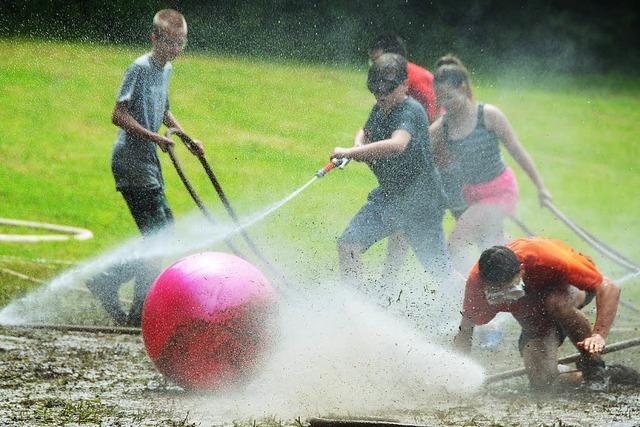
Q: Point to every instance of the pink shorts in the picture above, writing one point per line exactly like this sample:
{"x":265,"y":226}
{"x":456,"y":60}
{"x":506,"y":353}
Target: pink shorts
{"x":501,"y":190}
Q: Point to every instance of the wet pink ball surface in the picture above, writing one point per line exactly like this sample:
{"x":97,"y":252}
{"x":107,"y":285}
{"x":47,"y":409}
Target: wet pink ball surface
{"x":208,"y":319}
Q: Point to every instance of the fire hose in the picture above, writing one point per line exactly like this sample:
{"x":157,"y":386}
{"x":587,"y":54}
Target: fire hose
{"x":604,"y":249}
{"x":589,"y":238}
{"x":622,"y":345}
{"x":190,"y":144}
{"x":195,"y":197}
{"x":595,"y":243}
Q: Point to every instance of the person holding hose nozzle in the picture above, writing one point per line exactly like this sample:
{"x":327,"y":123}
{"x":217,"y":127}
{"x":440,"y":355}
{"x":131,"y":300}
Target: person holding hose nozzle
{"x":544,"y":284}
{"x":394,"y":143}
{"x":142,"y":106}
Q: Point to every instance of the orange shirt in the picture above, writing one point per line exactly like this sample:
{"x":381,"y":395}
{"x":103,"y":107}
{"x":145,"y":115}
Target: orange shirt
{"x":421,"y":88}
{"x":547,"y":265}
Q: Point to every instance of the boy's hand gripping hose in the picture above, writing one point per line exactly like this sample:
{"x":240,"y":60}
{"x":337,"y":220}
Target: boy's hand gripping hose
{"x":339,"y":163}
{"x":188,"y":141}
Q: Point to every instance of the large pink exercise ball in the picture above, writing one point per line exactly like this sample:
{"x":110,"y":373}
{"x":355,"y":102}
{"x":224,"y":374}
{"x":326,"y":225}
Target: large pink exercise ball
{"x":208,"y":320}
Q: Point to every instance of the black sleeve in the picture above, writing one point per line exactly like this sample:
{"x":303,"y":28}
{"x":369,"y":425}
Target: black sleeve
{"x":409,"y":120}
{"x":370,"y":123}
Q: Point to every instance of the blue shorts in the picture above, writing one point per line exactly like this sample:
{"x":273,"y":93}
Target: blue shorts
{"x":418,"y":221}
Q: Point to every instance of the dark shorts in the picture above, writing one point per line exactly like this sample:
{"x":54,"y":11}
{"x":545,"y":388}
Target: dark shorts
{"x":149,"y":208}
{"x":560,"y":333}
{"x":420,"y":223}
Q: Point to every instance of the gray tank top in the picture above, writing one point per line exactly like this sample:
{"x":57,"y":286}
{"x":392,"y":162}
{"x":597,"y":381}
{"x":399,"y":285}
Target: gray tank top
{"x":478,"y":153}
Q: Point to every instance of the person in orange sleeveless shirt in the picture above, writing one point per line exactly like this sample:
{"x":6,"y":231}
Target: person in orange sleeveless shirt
{"x":544,"y":284}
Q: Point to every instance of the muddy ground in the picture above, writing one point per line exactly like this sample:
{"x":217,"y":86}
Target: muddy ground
{"x":73,"y":378}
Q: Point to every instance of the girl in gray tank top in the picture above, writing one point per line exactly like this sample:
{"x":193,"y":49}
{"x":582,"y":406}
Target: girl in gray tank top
{"x":468,"y":136}
{"x":478,"y":154}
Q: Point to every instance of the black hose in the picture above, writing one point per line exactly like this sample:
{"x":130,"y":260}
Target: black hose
{"x":188,"y":141}
{"x":79,"y":328}
{"x":195,"y":197}
{"x":522,"y":226}
{"x":591,"y":240}
{"x":622,"y":345}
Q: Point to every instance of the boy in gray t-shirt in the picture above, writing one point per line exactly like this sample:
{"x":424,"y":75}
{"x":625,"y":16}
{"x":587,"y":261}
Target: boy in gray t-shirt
{"x":142,"y":106}
{"x":395,"y":145}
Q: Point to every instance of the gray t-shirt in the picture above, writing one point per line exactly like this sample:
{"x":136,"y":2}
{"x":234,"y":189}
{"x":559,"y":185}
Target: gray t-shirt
{"x":411,"y":175}
{"x":134,"y":160}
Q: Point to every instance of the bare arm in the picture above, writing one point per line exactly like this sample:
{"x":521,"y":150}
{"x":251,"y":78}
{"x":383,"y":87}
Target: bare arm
{"x":170,"y":121}
{"x":360,"y":138}
{"x":498,"y":122}
{"x":123,"y":119}
{"x":438,"y":142}
{"x":607,"y":298}
{"x":376,"y":150}
{"x":464,"y":337}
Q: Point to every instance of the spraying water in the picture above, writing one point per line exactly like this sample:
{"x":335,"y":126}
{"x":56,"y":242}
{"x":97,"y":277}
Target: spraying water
{"x":271,"y":209}
{"x":338,"y":351}
{"x":190,"y":234}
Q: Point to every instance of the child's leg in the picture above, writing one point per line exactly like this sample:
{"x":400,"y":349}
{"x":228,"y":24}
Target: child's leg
{"x":397,"y":251}
{"x":105,"y":286}
{"x":479,"y":227}
{"x":425,"y":234}
{"x":151,"y":213}
{"x":365,"y":229}
{"x":428,"y":242}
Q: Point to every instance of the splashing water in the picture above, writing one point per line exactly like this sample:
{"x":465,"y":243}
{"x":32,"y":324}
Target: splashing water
{"x":338,"y":352}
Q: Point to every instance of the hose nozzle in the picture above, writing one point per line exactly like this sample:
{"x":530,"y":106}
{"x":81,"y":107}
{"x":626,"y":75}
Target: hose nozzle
{"x":339,"y":163}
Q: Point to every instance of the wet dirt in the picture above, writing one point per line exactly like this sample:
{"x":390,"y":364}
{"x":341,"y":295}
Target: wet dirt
{"x":75,"y":378}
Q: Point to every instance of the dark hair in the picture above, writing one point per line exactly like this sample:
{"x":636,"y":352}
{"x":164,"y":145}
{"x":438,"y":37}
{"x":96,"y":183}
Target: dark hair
{"x":449,"y":69}
{"x":498,"y":264}
{"x":386,"y":73}
{"x":449,"y":59}
{"x":389,"y":43}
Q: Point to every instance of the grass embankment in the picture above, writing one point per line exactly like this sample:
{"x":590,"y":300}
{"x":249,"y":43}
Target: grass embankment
{"x":267,"y":128}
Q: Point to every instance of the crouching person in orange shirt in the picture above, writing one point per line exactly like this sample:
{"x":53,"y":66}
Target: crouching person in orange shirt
{"x":544,"y":284}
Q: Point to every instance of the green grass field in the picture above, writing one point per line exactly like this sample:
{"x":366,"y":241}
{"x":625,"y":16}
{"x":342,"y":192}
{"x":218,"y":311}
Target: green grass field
{"x":267,"y":128}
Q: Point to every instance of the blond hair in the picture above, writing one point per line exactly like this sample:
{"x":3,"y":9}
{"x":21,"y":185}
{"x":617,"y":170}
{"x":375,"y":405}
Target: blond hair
{"x":168,"y":19}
